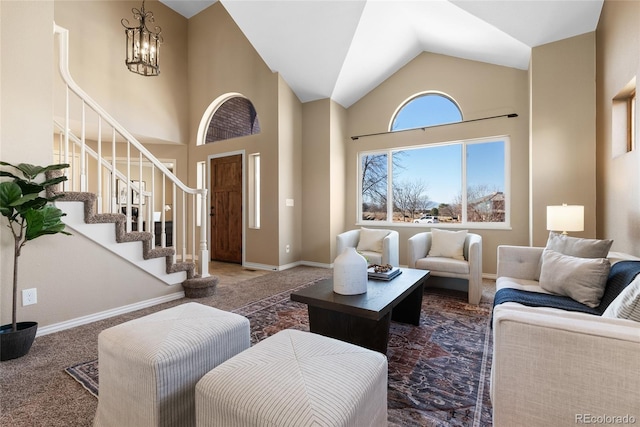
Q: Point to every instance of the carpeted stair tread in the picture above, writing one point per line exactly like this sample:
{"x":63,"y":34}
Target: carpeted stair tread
{"x":106,"y":218}
{"x":159,"y":253}
{"x":187,"y":267}
{"x":76,"y":196}
{"x":135,"y":236}
{"x":202,"y":281}
{"x":89,"y":200}
{"x":200,"y":287}
{"x":120,"y":221}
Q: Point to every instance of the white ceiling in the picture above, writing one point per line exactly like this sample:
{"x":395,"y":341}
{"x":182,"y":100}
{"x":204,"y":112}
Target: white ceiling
{"x":342,"y":49}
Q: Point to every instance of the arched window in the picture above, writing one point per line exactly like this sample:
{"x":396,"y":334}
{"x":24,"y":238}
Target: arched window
{"x":426,"y":109}
{"x":235,"y":117}
{"x":451,"y":183}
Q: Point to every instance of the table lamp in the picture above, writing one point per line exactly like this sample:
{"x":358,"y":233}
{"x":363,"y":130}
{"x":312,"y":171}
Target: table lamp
{"x":565,"y":218}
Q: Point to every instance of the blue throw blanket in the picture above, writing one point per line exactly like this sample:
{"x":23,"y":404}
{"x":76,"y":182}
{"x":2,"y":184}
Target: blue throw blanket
{"x":539,"y":299}
{"x":622,"y":273}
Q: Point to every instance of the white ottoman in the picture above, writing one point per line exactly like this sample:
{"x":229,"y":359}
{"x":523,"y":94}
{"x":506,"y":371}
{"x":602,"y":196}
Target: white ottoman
{"x":149,"y":366}
{"x":296,"y":378}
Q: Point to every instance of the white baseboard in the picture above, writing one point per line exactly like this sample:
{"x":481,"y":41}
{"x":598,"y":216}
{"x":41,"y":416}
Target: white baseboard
{"x":256,"y":266}
{"x":315,"y":264}
{"x":78,"y":321}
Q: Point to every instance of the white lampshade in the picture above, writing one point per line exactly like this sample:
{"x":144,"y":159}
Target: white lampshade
{"x":565,"y":218}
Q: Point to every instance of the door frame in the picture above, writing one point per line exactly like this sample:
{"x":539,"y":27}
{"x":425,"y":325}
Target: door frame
{"x":244,"y":197}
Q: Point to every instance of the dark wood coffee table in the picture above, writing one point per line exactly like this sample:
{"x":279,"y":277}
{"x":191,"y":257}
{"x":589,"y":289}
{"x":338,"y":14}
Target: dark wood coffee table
{"x":365,"y":319}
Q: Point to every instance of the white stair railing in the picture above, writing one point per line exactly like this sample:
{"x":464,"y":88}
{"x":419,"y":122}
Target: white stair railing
{"x":117,"y":178}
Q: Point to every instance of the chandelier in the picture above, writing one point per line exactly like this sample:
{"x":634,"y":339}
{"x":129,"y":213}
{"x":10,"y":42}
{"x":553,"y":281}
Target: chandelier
{"x":143,"y":44}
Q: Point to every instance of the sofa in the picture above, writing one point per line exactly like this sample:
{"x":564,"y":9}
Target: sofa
{"x":557,"y":361}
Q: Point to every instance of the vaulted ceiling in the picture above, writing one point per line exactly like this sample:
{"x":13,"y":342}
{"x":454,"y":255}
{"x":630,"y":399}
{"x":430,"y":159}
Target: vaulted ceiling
{"x":342,"y":49}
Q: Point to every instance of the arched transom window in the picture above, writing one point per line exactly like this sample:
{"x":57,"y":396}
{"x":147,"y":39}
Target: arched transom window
{"x":426,"y":109}
{"x":235,"y":117}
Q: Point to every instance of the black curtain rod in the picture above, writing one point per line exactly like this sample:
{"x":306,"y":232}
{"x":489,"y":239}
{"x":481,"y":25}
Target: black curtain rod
{"x":353,"y":138}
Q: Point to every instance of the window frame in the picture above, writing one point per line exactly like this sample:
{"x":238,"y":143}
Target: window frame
{"x":254,"y":186}
{"x":623,"y":120}
{"x":506,"y":139}
{"x":416,"y":96}
{"x":631,"y":121}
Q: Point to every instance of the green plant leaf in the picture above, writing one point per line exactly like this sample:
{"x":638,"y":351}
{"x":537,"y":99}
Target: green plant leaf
{"x":9,"y":174}
{"x":29,"y":201}
{"x":55,"y":167}
{"x":30,"y":187}
{"x":30,"y":171}
{"x":9,"y":194}
{"x":46,"y":220}
{"x":53,"y":181}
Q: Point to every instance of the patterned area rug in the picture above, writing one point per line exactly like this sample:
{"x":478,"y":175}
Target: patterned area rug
{"x":438,"y":372}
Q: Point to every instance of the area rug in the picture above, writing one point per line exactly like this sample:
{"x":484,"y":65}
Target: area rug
{"x":438,"y":372}
{"x":86,"y":373}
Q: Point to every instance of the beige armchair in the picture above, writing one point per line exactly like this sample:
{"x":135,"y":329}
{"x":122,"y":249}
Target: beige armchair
{"x":378,"y":246}
{"x":468,"y":266}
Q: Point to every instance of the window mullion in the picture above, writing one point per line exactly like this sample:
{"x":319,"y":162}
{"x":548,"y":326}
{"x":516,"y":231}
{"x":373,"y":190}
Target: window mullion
{"x":463,"y":206}
{"x":390,"y":186}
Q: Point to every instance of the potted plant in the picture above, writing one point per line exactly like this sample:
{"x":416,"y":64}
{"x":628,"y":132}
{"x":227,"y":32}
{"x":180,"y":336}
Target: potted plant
{"x":30,"y":215}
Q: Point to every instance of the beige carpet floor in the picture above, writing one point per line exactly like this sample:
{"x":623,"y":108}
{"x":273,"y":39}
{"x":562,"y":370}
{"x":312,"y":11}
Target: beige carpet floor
{"x":36,"y":391}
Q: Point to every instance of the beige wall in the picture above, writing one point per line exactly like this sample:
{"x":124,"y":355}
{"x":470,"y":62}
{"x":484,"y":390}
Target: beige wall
{"x":26,"y":90}
{"x":25,"y":117}
{"x":75,"y":278}
{"x":481,"y":90}
{"x":151,"y":108}
{"x":338,"y":169}
{"x":324,"y":134}
{"x":222,"y":61}
{"x":72,"y":275}
{"x":563,"y":141}
{"x":316,"y":189}
{"x":289,"y":175}
{"x":618,"y":178}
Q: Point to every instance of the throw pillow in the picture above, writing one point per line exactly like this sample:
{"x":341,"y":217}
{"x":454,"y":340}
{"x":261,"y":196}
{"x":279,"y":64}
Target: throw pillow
{"x":371,"y":240}
{"x":576,"y":246}
{"x":579,"y":247}
{"x":582,"y":279}
{"x":627,"y":304}
{"x":448,"y":244}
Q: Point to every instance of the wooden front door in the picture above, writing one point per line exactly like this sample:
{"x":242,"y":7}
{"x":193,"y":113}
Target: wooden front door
{"x":226,"y":209}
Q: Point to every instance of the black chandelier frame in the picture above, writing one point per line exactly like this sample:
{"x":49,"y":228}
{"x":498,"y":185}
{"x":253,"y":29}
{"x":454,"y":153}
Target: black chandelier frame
{"x":142,"y":44}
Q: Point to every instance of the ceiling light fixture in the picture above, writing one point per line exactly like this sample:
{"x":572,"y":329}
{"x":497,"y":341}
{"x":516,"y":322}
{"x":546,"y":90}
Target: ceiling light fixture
{"x":143,"y":44}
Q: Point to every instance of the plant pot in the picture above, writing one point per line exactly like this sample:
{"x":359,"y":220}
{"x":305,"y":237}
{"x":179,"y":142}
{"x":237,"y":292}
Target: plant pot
{"x":16,"y":344}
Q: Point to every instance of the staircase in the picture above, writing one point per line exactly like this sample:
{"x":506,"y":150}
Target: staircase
{"x":93,"y":206}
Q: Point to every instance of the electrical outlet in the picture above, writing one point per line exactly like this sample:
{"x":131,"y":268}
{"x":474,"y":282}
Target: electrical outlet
{"x":287,"y":248}
{"x":29,"y":296}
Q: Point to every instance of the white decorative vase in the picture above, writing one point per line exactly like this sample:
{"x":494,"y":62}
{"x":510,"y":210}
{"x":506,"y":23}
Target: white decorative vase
{"x":350,"y":273}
